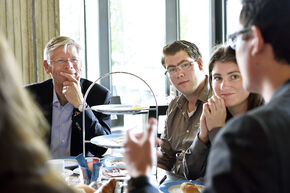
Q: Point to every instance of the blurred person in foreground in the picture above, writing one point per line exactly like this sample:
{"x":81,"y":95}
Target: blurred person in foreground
{"x":23,"y":155}
{"x":61,"y":100}
{"x":251,"y":152}
{"x":230,"y":99}
{"x":184,"y":67}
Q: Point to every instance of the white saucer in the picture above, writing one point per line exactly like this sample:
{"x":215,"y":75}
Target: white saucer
{"x":76,"y":171}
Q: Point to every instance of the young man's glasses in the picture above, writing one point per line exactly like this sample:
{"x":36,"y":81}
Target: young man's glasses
{"x":172,"y":70}
{"x":232,"y":39}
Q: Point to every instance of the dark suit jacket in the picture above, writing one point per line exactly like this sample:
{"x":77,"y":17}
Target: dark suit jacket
{"x":95,"y":123}
{"x":252,"y":152}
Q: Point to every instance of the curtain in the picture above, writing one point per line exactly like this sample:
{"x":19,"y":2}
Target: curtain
{"x":28,"y":25}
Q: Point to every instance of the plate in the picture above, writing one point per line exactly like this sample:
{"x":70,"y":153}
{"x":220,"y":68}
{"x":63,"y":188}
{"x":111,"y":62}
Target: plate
{"x":70,"y":163}
{"x":119,"y":173}
{"x":174,"y":187}
{"x":120,"y":109}
{"x":109,"y":141}
{"x":67,"y":172}
{"x":76,"y":171}
{"x":113,"y":162}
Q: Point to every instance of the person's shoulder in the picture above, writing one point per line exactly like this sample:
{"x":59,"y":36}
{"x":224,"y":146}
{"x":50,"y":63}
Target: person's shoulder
{"x":274,"y":111}
{"x":40,"y":87}
{"x":257,"y":121}
{"x":39,"y":84}
{"x":173,"y":101}
{"x":242,"y":130}
{"x":173,"y":104}
{"x":242,"y":125}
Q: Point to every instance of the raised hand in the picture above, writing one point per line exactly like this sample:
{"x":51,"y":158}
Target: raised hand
{"x":72,"y":90}
{"x":139,"y":152}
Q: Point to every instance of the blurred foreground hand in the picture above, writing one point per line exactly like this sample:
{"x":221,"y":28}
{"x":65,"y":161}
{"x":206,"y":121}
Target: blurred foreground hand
{"x":140,"y":152}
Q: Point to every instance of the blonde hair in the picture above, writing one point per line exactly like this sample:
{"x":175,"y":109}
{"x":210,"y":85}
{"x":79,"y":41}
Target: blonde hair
{"x":23,"y":155}
{"x":57,"y":42}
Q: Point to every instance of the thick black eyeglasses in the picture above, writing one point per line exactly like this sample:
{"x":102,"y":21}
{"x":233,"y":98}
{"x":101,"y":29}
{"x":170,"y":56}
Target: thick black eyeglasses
{"x":232,"y":38}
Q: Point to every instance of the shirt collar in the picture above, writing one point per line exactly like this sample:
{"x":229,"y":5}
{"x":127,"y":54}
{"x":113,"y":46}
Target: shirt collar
{"x":55,"y":100}
{"x":205,"y":93}
{"x":281,"y":89}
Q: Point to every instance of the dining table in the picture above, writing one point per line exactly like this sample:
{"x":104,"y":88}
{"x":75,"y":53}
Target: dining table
{"x":160,"y":177}
{"x":169,"y":181}
{"x":164,"y":176}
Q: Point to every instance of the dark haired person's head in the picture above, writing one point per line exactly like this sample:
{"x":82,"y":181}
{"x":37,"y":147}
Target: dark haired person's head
{"x":272,"y":17}
{"x":226,"y":80}
{"x":262,"y":44}
{"x":184,"y":66}
{"x":190,"y":48}
{"x":222,"y":54}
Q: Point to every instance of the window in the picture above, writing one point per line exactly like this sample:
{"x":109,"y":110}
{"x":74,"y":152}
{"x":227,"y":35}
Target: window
{"x":137,"y":35}
{"x":137,"y":38}
{"x":72,"y":23}
{"x":195,"y":25}
{"x":92,"y":43}
{"x":233,"y":13}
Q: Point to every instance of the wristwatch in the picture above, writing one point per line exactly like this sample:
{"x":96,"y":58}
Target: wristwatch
{"x":138,"y":182}
{"x":82,"y":107}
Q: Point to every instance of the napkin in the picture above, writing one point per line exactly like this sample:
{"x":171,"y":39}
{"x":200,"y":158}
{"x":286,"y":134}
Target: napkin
{"x":87,"y":174}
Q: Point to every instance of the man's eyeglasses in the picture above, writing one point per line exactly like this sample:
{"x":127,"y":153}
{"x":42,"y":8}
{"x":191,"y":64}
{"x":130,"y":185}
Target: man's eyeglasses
{"x":172,"y":70}
{"x":63,"y":61}
{"x":232,"y":39}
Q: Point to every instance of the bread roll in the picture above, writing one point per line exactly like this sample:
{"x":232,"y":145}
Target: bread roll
{"x":188,"y":187}
{"x":109,"y":187}
{"x":85,"y":188}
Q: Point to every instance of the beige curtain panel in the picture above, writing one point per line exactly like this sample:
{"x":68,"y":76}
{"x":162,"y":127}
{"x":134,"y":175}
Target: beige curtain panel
{"x":28,"y":25}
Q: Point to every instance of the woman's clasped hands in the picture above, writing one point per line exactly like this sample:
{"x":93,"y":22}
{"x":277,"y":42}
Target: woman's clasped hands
{"x":213,"y":116}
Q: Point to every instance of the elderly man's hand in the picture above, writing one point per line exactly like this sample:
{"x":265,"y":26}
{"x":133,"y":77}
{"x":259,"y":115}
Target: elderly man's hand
{"x":72,"y":90}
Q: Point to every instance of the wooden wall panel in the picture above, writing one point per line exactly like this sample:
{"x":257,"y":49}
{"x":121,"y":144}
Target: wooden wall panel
{"x":28,"y":25}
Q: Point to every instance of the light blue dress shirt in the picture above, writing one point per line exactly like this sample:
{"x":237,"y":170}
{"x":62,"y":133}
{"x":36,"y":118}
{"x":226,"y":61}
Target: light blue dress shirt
{"x":61,"y":128}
